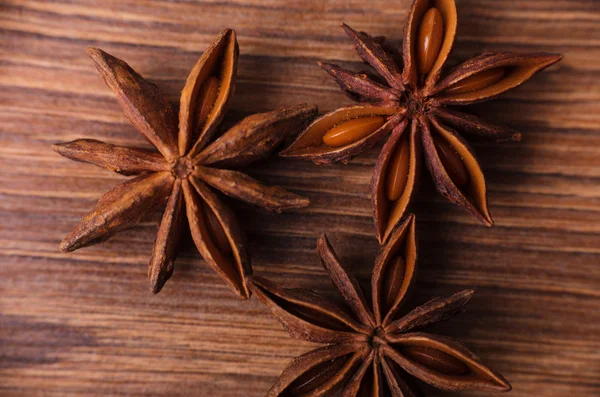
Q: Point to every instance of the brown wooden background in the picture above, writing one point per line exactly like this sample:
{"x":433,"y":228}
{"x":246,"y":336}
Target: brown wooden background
{"x":85,"y":324}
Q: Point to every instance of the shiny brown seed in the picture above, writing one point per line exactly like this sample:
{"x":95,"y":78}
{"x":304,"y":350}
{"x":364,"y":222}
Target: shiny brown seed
{"x":353,"y":130}
{"x":216,"y":232}
{"x":392,"y":281}
{"x":436,"y":360}
{"x":316,"y":377}
{"x":477,"y":82}
{"x":206,"y":99}
{"x":397,"y":171}
{"x":453,"y":164}
{"x":431,"y":36}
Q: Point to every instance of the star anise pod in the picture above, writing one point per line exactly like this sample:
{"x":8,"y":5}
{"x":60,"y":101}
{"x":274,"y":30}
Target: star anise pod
{"x":412,"y":103}
{"x":371,"y":346}
{"x":190,"y":162}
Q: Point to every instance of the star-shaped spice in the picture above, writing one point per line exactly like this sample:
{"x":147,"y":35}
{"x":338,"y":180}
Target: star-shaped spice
{"x":190,"y":162}
{"x":371,"y":346}
{"x":411,"y":103}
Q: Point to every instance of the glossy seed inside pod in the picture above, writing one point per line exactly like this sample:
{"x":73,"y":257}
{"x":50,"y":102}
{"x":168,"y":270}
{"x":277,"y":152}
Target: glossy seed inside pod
{"x":397,"y":170}
{"x":351,"y":131}
{"x":431,"y":36}
{"x":452,"y":162}
{"x":436,"y":360}
{"x":477,"y":82}
{"x":216,"y":231}
{"x":316,"y":377}
{"x":206,"y":100}
{"x":392,"y":281}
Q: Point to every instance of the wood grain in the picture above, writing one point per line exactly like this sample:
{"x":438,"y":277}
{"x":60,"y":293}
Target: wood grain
{"x":85,"y":324}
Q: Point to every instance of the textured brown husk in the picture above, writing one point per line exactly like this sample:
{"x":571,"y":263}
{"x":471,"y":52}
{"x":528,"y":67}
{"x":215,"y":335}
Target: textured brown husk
{"x":120,"y":208}
{"x":141,"y":101}
{"x":122,"y":160}
{"x":305,"y":363}
{"x":255,"y":137}
{"x":242,"y":187}
{"x":474,"y":126}
{"x":476,"y":201}
{"x":161,"y":265}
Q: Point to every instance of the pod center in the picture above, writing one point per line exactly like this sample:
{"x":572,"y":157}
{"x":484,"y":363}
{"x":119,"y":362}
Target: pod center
{"x":182,"y":168}
{"x":416,"y":105}
{"x":377,"y":337}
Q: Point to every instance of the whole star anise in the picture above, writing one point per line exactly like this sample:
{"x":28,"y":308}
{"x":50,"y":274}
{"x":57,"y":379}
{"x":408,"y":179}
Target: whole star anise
{"x":189,"y":161}
{"x":371,"y":347}
{"x":414,"y":96}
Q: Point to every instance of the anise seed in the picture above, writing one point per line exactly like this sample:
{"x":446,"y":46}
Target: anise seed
{"x":431,"y":35}
{"x":397,"y":172}
{"x":477,"y":82}
{"x":436,"y":360}
{"x":452,"y":162}
{"x":392,"y":281}
{"x":352,"y":130}
{"x":206,"y":98}
{"x":215,"y":229}
{"x":316,"y":377}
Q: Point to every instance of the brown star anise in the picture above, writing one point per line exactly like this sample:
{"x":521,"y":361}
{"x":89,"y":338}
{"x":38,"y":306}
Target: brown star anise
{"x":189,"y":161}
{"x":370,"y":341}
{"x":414,"y":96}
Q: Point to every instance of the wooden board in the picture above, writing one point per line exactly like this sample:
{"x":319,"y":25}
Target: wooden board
{"x":85,"y":324}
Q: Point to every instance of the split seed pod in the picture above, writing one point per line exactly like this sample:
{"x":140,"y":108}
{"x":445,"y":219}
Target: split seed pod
{"x":193,"y":161}
{"x":413,"y":109}
{"x":373,"y":349}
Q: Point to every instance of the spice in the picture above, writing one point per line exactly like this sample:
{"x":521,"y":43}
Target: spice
{"x":370,"y":346}
{"x":190,"y":162}
{"x":412,"y":107}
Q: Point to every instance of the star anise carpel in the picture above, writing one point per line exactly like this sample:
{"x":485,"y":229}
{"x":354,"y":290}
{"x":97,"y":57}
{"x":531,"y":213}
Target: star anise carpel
{"x":373,"y":345}
{"x":194,"y":159}
{"x":412,"y":103}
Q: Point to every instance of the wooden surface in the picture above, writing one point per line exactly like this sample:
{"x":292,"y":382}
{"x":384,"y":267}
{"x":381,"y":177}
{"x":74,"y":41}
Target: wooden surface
{"x":85,"y":323}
